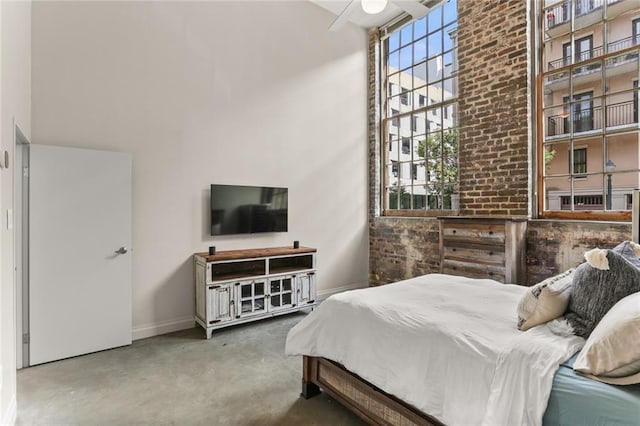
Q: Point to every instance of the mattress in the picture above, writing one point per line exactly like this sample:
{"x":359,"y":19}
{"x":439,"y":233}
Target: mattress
{"x":577,"y":400}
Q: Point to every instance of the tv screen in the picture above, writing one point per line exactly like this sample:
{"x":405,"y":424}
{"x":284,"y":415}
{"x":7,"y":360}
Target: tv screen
{"x":239,"y":209}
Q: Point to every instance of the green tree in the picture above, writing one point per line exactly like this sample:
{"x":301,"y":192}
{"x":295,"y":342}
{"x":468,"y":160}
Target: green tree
{"x":549,"y":153}
{"x":405,"y":198}
{"x":440,"y":153}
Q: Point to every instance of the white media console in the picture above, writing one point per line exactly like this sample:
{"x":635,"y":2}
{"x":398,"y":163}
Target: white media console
{"x":237,"y":286}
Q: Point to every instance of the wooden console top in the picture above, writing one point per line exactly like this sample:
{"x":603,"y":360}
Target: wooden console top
{"x":254,"y":253}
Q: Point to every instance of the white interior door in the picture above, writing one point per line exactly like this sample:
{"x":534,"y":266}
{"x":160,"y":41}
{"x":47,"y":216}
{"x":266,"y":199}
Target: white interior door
{"x":79,"y":219}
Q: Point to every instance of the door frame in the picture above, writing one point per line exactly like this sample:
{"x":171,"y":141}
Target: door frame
{"x":21,"y":244}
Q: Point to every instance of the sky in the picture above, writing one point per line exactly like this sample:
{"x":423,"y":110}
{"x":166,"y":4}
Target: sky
{"x":426,"y":37}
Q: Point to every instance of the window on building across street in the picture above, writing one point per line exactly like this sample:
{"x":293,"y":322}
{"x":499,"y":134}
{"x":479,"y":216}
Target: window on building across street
{"x":579,"y":161}
{"x":589,"y":68}
{"x":404,"y":97}
{"x":395,"y":121}
{"x":406,"y":145}
{"x":420,"y":70}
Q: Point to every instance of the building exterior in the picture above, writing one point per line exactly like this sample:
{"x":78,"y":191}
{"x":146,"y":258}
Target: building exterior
{"x":408,"y":135}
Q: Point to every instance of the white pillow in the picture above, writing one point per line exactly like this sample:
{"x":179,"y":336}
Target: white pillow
{"x":545,"y":301}
{"x":597,"y":258}
{"x":612,"y":352}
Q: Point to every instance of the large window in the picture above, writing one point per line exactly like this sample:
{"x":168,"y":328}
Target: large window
{"x":589,"y":61}
{"x":420,"y":113}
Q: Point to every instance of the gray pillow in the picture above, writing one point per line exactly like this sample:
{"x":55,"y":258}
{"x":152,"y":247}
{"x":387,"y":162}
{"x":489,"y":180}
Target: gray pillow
{"x":595,"y":291}
{"x":627,"y":249}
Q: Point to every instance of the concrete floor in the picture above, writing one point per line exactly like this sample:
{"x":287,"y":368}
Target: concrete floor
{"x":239,"y":377}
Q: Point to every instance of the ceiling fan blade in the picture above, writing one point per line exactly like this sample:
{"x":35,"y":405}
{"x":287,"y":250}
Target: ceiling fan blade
{"x":415,"y":9}
{"x":343,"y":17}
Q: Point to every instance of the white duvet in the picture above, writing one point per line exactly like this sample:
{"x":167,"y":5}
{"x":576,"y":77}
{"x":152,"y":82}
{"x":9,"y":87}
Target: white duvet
{"x":447,"y":345}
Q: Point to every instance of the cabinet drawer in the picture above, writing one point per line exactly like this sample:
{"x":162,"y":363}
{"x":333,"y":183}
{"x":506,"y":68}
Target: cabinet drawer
{"x":490,"y":255}
{"x":482,"y":233}
{"x":473,"y":270}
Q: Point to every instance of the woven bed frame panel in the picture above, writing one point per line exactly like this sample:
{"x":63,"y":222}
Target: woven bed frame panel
{"x":370,"y":403}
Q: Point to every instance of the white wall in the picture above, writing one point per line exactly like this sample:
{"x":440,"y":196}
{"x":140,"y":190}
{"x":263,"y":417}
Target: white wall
{"x":212,"y":92}
{"x":15,"y":106}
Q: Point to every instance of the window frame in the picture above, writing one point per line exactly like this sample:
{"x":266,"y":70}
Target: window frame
{"x":541,"y":72}
{"x":416,"y":117}
{"x":573,"y":162}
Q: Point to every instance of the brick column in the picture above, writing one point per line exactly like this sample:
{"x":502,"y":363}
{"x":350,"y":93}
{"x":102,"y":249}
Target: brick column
{"x":494,"y":108}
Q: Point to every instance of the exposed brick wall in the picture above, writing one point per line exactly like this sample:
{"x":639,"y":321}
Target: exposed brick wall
{"x":373,"y":111}
{"x":402,"y":248}
{"x":493,"y":107}
{"x":555,"y":246}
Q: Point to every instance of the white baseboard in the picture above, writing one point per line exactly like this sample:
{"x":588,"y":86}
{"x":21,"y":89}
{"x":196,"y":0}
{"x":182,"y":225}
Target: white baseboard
{"x":9,"y":417}
{"x":323,"y":294}
{"x":154,"y":329}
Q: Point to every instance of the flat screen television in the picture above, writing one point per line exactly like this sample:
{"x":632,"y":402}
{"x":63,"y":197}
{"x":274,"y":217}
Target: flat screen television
{"x":237,"y":209}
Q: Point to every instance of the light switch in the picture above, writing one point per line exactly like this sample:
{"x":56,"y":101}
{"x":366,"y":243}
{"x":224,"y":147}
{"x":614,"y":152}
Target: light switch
{"x":10,"y":219}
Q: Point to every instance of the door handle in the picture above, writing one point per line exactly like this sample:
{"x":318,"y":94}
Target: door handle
{"x":121,"y":250}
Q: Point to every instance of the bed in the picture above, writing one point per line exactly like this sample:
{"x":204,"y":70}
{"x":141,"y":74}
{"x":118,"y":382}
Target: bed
{"x":409,"y":353}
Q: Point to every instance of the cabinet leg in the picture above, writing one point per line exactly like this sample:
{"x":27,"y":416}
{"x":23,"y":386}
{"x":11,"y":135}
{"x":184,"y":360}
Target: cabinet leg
{"x":209,"y":332}
{"x":309,"y":390}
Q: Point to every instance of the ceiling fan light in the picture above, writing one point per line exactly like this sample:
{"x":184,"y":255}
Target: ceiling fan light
{"x":373,"y":6}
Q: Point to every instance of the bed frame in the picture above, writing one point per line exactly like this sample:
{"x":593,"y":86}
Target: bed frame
{"x":367,"y":401}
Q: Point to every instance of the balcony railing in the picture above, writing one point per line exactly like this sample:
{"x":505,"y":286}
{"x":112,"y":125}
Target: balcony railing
{"x":592,"y":67}
{"x":614,"y":46}
{"x":581,"y":202}
{"x":561,"y":14}
{"x":597,"y":51}
{"x":619,"y":114}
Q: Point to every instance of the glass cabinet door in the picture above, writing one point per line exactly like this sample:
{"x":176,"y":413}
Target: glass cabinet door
{"x":281,"y":292}
{"x":251,"y":297}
